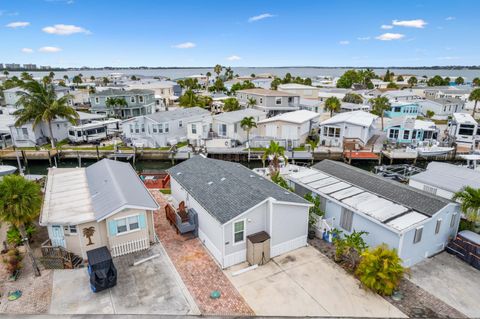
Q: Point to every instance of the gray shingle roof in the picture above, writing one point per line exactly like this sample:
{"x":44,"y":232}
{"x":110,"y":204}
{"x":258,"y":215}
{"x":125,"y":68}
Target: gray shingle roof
{"x":181,"y":113}
{"x":418,"y":200}
{"x":114,"y":186}
{"x":118,"y":92}
{"x":226,"y":189}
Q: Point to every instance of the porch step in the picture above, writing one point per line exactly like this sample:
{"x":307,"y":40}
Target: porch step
{"x":77,"y":261}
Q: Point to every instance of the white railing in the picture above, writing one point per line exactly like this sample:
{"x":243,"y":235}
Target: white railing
{"x":324,"y":225}
{"x":129,"y":247}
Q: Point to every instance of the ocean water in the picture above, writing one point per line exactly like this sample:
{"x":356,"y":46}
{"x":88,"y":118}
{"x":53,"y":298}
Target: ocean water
{"x":174,"y":73}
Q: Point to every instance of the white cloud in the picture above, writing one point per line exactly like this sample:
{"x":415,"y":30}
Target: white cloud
{"x":234,"y":58}
{"x":65,"y":29}
{"x":27,"y":50}
{"x":363,"y":38}
{"x":49,"y":49}
{"x":386,"y":26}
{"x":390,"y":36}
{"x":260,"y":17}
{"x":418,"y":23}
{"x":18,"y":24}
{"x":450,"y":18}
{"x":344,"y":42}
{"x":185,"y":45}
{"x":448,"y":58}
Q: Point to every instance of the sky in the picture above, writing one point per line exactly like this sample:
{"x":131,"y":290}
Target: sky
{"x":94,"y":33}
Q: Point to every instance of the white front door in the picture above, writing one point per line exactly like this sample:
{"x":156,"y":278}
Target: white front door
{"x":57,"y":237}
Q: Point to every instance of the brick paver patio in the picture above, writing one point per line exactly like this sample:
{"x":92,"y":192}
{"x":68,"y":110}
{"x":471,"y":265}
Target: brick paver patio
{"x":198,"y":270}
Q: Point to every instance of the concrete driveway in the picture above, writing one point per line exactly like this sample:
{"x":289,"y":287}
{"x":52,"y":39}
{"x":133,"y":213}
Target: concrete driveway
{"x":450,"y":280}
{"x":152,"y":287}
{"x":306,"y":283}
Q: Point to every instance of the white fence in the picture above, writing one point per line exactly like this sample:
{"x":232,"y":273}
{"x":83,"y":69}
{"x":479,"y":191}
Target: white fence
{"x":130,"y":247}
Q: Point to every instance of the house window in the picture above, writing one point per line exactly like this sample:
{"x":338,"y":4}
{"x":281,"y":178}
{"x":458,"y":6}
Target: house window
{"x":466,"y":129}
{"x":25,"y":131}
{"x":452,"y":221}
{"x":143,"y":128}
{"x":222,"y":129}
{"x":331,"y":131}
{"x":127,"y":224}
{"x":429,"y":189}
{"x":278,"y":100}
{"x":393,"y":133}
{"x":167,"y":128}
{"x":137,"y":130}
{"x":418,"y":235}
{"x":154,"y":128}
{"x":438,"y":225}
{"x":160,"y":128}
{"x":97,"y":100}
{"x":70,"y":230}
{"x":131,"y":128}
{"x":140,"y":99}
{"x":346,"y":219}
{"x":132,"y":99}
{"x":406,"y":134}
{"x":194,"y":128}
{"x":235,"y":128}
{"x":239,"y":231}
{"x":180,"y":123}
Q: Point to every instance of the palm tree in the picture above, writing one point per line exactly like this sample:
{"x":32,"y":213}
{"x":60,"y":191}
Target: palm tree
{"x":429,"y":114}
{"x":40,"y":104}
{"x":65,"y":77}
{"x":20,"y":203}
{"x":474,"y":96}
{"x":92,"y":78}
{"x":217,"y":69}
{"x":476,"y":81}
{"x":77,"y":79}
{"x":247,"y":123}
{"x":332,"y":104}
{"x":208,"y":74}
{"x":251,"y":102}
{"x":379,"y":106}
{"x":6,"y":73}
{"x":189,"y":99}
{"x":51,"y":75}
{"x":25,"y":76}
{"x":275,"y":151}
{"x":116,"y":103}
{"x":412,"y":81}
{"x":469,"y":199}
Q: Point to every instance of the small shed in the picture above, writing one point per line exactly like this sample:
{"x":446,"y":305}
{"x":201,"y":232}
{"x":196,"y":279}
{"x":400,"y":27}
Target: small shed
{"x":258,"y":248}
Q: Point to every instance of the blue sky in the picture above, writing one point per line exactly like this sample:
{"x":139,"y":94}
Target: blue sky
{"x":240,"y":33}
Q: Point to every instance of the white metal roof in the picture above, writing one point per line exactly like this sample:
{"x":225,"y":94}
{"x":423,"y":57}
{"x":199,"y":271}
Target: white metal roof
{"x":392,"y":215}
{"x":296,"y":86}
{"x":464,"y":118}
{"x":356,"y":117}
{"x":237,"y":116}
{"x":298,"y":117}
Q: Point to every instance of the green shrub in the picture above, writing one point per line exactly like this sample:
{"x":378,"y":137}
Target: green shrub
{"x":12,"y":260}
{"x":349,"y":248}
{"x":380,"y":269}
{"x":14,"y":237}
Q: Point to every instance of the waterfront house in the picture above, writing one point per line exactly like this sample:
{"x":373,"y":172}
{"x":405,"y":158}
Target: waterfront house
{"x":417,"y":224}
{"x":357,"y":125}
{"x":350,"y":107}
{"x":409,"y":130}
{"x":233,"y":203}
{"x":325,"y":93}
{"x":104,"y":204}
{"x":444,"y":179}
{"x":162,"y":128}
{"x":166,"y":92}
{"x":139,"y":102}
{"x":226,"y":130}
{"x":312,"y":105}
{"x":304,"y":91}
{"x":464,"y":129}
{"x":409,"y":109}
{"x":270,"y":101}
{"x":442,"y":107}
{"x":401,"y":96}
{"x":29,"y":136}
{"x":291,"y":128}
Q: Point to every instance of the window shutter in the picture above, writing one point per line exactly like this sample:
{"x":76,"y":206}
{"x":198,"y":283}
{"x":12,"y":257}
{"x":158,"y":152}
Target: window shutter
{"x":141,"y":221}
{"x":112,"y":228}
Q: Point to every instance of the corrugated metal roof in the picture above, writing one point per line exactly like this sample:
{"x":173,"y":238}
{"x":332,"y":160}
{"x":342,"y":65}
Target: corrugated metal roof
{"x":178,"y":114}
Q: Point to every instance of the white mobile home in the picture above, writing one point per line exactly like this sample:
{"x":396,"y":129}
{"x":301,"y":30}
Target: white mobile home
{"x":444,"y":179}
{"x":357,"y":124}
{"x":416,"y":223}
{"x":94,"y":131}
{"x":464,"y":129}
{"x":232,"y":203}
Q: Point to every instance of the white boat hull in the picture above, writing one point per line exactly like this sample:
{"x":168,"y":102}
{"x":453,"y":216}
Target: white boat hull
{"x":7,"y":169}
{"x":434,"y":151}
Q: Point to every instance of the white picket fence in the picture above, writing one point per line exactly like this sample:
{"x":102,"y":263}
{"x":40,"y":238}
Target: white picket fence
{"x":129,"y":247}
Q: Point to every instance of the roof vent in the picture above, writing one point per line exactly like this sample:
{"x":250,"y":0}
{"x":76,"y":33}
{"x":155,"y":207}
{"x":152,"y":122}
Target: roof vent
{"x":179,"y":173}
{"x":210,"y":183}
{"x":222,"y":179}
{"x":251,"y":175}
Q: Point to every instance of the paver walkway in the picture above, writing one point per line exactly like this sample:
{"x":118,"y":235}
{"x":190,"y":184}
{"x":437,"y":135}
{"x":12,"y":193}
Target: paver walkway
{"x":197,"y":269}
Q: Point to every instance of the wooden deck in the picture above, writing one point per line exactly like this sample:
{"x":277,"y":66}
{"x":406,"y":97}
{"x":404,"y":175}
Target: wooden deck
{"x":360,"y":155}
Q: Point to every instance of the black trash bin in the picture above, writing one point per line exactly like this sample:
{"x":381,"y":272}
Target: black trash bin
{"x":102,"y":271}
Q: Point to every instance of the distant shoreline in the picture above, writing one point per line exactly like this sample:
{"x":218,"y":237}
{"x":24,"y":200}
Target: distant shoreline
{"x":452,"y":67}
